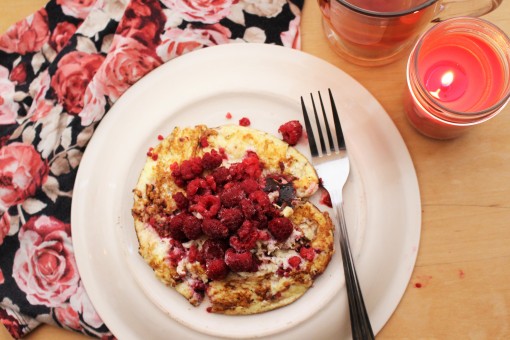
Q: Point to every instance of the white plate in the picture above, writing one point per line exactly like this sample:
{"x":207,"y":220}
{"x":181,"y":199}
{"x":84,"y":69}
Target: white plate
{"x":264,"y":83}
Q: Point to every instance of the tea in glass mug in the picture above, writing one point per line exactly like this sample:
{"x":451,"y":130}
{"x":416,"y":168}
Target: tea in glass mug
{"x":378,"y":32}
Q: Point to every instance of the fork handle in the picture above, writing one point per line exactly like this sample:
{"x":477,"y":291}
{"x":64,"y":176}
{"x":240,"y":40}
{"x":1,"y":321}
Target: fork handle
{"x":360,"y":322}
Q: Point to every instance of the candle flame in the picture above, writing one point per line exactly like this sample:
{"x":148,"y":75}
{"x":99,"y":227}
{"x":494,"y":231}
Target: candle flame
{"x":447,"y":79}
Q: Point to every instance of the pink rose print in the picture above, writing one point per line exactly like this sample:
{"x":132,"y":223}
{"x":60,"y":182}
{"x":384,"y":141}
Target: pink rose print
{"x":95,"y":103}
{"x":74,"y":72}
{"x":19,"y":73}
{"x":61,"y":35}
{"x":11,"y":324}
{"x":68,"y":317}
{"x":143,"y":21}
{"x":41,"y":106}
{"x":28,"y":35}
{"x":22,"y":171}
{"x":127,"y":62}
{"x":205,"y":11}
{"x":8,"y":107}
{"x":44,"y":265}
{"x":81,"y":303}
{"x":5,"y":226}
{"x":292,"y":37}
{"x":76,"y":8}
{"x":176,"y":42}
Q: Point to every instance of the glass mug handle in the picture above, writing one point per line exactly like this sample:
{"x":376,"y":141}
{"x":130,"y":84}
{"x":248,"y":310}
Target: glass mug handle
{"x":455,"y":8}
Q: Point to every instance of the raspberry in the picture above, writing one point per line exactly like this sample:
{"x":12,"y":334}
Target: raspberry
{"x":239,"y":262}
{"x":214,"y":229}
{"x":248,"y":208}
{"x":291,"y":131}
{"x":252,"y":166}
{"x":246,"y":238}
{"x":294,"y":261}
{"x":197,"y":186}
{"x":249,"y":185}
{"x":307,"y":253}
{"x":194,"y":255}
{"x":232,"y":218}
{"x":237,"y":171}
{"x":211,"y":160}
{"x":176,"y":174}
{"x":260,"y":221}
{"x":216,"y":269}
{"x":214,"y":249}
{"x":325,"y":198}
{"x":191,"y":168}
{"x":204,"y":142}
{"x":221,"y":175}
{"x":192,"y":227}
{"x":181,"y":201}
{"x":260,"y":199}
{"x":175,"y":227}
{"x":280,"y":228}
{"x":244,"y":121}
{"x":231,"y":196}
{"x":211,"y":182}
{"x":207,"y":206}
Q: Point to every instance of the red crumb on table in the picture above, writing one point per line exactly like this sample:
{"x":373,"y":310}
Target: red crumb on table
{"x":325,"y":198}
{"x":291,"y":131}
{"x":228,"y":115}
{"x":160,"y":137}
{"x":244,"y":121}
{"x":417,"y":285}
{"x":461,"y":274}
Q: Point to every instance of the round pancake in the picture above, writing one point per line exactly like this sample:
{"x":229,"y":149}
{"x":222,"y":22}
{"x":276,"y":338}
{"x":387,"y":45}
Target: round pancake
{"x":277,"y":280}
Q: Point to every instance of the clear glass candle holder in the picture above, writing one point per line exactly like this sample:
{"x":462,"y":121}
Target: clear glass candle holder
{"x":458,"y":76}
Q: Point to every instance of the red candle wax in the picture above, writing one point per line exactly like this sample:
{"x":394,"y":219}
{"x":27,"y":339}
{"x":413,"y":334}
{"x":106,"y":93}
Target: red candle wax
{"x":463,"y":74}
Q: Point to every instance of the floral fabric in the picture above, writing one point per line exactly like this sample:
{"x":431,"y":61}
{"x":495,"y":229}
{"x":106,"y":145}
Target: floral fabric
{"x":61,"y":69}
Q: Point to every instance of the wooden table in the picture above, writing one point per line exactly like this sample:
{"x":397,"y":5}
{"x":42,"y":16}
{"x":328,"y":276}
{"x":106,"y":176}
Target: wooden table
{"x":460,"y":288}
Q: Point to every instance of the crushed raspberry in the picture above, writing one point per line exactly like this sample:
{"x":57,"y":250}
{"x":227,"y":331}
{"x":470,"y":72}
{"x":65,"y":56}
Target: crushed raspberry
{"x":325,"y":198}
{"x":280,"y":228}
{"x":175,"y":227}
{"x":192,"y":227}
{"x":221,"y":175}
{"x":197,"y":186}
{"x":216,"y":269}
{"x":211,"y":182}
{"x":160,"y":137}
{"x":181,"y":201}
{"x":252,"y":166}
{"x":239,"y":262}
{"x":214,"y":229}
{"x":175,"y":255}
{"x":204,"y":142}
{"x":250,"y":185}
{"x":194,"y":254}
{"x":191,"y":168}
{"x":307,"y":253}
{"x":207,"y":206}
{"x":294,"y":261}
{"x":228,"y":115}
{"x":244,"y":121}
{"x":264,"y":235}
{"x":260,"y":199}
{"x":237,"y":171}
{"x":154,"y":156}
{"x":232,"y":218}
{"x":231,"y":196}
{"x":291,"y":131}
{"x":248,"y":208}
{"x":246,"y":238}
{"x":149,"y":152}
{"x":211,"y":160}
{"x":214,"y":249}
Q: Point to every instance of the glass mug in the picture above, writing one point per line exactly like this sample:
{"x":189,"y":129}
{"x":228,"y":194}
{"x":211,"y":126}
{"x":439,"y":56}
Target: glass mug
{"x":378,"y":32}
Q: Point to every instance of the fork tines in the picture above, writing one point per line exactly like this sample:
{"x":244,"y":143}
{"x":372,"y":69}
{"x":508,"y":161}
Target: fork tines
{"x":323,"y":126}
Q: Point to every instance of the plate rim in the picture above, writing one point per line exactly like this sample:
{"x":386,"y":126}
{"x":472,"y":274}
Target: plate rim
{"x":255,"y":49}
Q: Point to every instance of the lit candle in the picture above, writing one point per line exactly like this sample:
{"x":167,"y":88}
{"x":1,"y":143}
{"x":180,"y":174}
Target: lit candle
{"x":457,"y":76}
